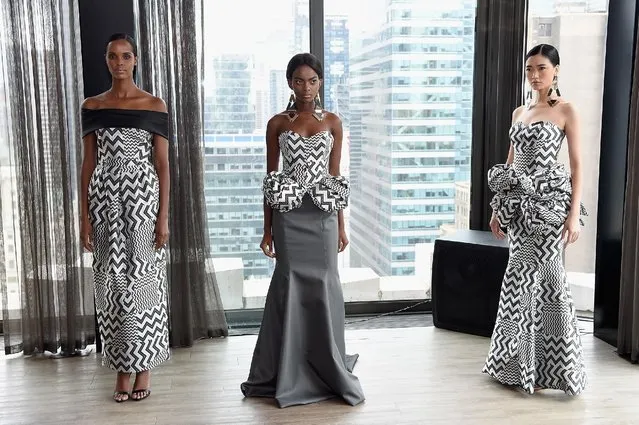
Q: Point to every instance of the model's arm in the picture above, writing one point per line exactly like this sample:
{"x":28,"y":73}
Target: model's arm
{"x":88,"y":165}
{"x":573,"y":134}
{"x":336,"y":153}
{"x":511,"y":152}
{"x":494,"y":224}
{"x":272,"y":163}
{"x":161,"y":163}
{"x":511,"y":155}
{"x":334,"y":170}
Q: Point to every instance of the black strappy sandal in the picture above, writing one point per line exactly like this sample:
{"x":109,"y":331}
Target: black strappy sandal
{"x":117,"y":393}
{"x":143,"y":390}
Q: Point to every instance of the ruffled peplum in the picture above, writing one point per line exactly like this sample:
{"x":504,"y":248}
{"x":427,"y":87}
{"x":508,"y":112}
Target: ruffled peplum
{"x":542,"y":198}
{"x":284,"y":193}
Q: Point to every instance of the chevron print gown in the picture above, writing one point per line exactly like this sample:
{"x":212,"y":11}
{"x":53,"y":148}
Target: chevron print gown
{"x":129,"y":274}
{"x":300,"y":354}
{"x":536,"y":341}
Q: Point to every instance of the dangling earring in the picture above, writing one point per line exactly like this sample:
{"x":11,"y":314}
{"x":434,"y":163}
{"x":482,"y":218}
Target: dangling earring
{"x":291,"y":110}
{"x":318,"y":112}
{"x":552,"y":101}
{"x":529,"y":99}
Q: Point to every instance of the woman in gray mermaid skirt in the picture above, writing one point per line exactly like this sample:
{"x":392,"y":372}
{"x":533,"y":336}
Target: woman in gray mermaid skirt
{"x":300,"y":354}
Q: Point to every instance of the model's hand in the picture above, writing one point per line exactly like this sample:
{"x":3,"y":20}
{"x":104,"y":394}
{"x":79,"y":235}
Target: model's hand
{"x":571,"y":229}
{"x":161,"y":232}
{"x":86,"y":234}
{"x":496,"y":228}
{"x":267,"y":245}
{"x":343,"y":241}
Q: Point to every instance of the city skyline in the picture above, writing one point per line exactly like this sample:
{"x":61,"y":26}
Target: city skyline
{"x":235,"y":227}
{"x":408,"y":152}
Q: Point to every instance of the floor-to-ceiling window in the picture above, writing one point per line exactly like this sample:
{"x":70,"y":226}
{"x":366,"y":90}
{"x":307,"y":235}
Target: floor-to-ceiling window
{"x":577,"y":28}
{"x":247,"y":45}
{"x":399,"y":74}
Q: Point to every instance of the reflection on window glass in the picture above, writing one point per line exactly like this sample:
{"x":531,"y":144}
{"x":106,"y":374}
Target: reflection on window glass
{"x":402,"y":86}
{"x":578,"y":30}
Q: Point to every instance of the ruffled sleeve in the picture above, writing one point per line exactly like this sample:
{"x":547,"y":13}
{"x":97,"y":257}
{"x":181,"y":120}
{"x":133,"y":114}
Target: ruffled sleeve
{"x":543,"y":197}
{"x":282,"y":192}
{"x":331,"y":193}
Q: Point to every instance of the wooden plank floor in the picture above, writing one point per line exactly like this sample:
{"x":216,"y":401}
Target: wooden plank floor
{"x":410,"y":376}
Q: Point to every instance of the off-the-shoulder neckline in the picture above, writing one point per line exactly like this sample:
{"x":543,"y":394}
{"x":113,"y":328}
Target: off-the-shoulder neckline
{"x":124,"y":109}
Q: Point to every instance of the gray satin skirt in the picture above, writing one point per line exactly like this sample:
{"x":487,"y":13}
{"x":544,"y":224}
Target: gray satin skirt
{"x":300,"y":354}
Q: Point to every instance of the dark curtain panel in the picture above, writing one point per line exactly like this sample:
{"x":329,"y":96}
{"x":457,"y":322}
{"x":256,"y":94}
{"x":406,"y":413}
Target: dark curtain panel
{"x":500,"y":42}
{"x":45,"y":279}
{"x":628,"y":334}
{"x":170,"y":66}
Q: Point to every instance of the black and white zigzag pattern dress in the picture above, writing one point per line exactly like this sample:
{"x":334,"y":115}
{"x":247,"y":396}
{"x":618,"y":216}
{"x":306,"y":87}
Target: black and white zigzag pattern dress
{"x":129,"y":273}
{"x":536,"y":341}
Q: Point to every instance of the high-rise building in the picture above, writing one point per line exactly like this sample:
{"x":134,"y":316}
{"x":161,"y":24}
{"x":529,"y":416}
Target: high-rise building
{"x":260,"y":95}
{"x":279,"y":91}
{"x":336,"y":61}
{"x":410,"y":129}
{"x":301,"y":14}
{"x":234,"y":166}
{"x":235,"y":162}
{"x":227,"y":107}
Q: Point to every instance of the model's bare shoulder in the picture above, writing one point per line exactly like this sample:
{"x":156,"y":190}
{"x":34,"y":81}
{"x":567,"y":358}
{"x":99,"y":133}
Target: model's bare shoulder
{"x":568,"y":109}
{"x":277,"y":121}
{"x":517,"y":113}
{"x":93,"y":102}
{"x":332,"y":117}
{"x":154,"y":103}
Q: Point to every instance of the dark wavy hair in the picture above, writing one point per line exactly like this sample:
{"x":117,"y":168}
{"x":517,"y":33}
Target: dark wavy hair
{"x":547,"y":51}
{"x":304,"y":59}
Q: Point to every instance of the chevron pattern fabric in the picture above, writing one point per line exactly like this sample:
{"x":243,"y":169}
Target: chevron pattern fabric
{"x":130,"y":275}
{"x":305,"y":171}
{"x":535,"y":342}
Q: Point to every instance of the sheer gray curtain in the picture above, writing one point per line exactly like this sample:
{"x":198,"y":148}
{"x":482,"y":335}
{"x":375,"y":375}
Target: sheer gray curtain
{"x":628,"y":333}
{"x":45,"y":279}
{"x":500,"y":42}
{"x":170,"y":66}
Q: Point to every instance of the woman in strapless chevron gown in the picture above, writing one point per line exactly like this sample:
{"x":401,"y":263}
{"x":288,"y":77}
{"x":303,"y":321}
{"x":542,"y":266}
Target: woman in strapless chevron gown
{"x":536,"y":343}
{"x":300,"y":355}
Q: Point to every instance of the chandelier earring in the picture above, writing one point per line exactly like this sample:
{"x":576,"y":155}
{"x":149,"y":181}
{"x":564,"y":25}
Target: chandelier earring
{"x":529,"y":99}
{"x":553,"y":92}
{"x":291,"y":109}
{"x":318,"y":111}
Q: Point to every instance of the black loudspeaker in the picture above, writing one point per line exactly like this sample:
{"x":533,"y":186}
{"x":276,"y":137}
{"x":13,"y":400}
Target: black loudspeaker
{"x":468,"y":267}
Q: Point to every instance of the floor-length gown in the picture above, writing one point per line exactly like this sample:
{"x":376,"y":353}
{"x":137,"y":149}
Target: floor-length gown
{"x":536,"y":341}
{"x":129,"y":273}
{"x":300,"y":354}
